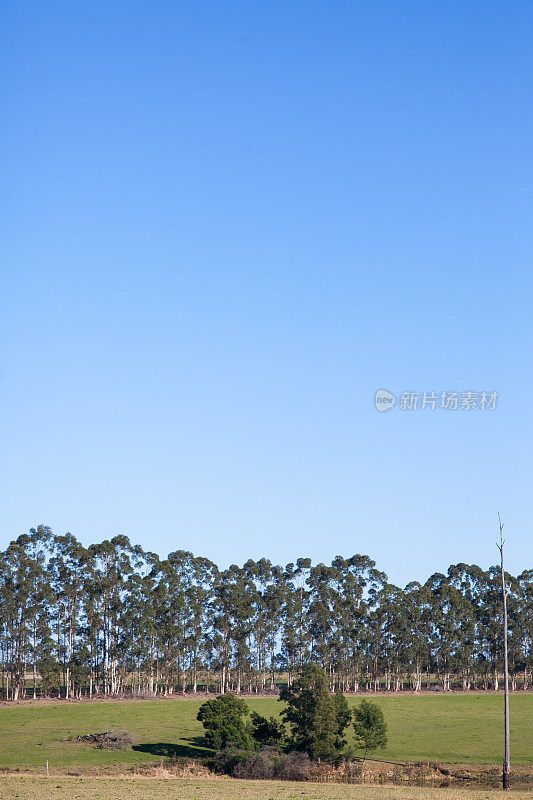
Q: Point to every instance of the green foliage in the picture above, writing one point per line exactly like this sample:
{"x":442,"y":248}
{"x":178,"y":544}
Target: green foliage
{"x":343,"y":715}
{"x":369,"y":726}
{"x":224,"y":725}
{"x":316,"y":719}
{"x":112,"y":619}
{"x":267,"y":731}
{"x":50,"y":672}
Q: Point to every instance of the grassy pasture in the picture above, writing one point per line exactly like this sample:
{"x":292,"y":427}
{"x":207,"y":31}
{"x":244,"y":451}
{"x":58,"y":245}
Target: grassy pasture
{"x":26,"y":787}
{"x":445,"y":728}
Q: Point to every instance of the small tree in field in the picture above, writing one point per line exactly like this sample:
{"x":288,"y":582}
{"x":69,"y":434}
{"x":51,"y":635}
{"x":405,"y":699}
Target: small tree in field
{"x":223,"y":721}
{"x":317,"y":720}
{"x":369,"y":726}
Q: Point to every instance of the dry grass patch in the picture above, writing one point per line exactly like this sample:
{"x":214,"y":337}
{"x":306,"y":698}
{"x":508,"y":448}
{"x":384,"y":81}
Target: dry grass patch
{"x":27,"y":787}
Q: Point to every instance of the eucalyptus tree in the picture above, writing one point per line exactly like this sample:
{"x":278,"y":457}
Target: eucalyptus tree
{"x":515,"y":607}
{"x":453,"y":629}
{"x":174,"y":579}
{"x":111,"y":616}
{"x":398,"y":640}
{"x":110,"y":562}
{"x":200,"y":598}
{"x":387,"y":621}
{"x":471,"y":582}
{"x":267,"y":588}
{"x":288,"y":656}
{"x":355,"y":581}
{"x":295,"y":616}
{"x":25,"y":613}
{"x":68,"y":573}
{"x":243,"y":592}
{"x":25,"y":603}
{"x":322,"y":623}
{"x":258,"y":575}
{"x":139,"y":623}
{"x":274,"y":598}
{"x":342,"y":610}
{"x":525,"y":624}
{"x":417,"y":607}
{"x":233,"y":595}
{"x":41,"y":599}
{"x":378,"y":597}
{"x":490,"y":626}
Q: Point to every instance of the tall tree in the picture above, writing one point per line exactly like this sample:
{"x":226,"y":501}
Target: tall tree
{"x":317,"y":720}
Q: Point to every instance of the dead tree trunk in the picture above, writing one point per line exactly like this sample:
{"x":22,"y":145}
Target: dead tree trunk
{"x":506,"y":760}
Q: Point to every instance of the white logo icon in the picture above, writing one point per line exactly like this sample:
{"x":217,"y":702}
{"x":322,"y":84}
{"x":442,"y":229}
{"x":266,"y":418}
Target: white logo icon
{"x":384,"y":400}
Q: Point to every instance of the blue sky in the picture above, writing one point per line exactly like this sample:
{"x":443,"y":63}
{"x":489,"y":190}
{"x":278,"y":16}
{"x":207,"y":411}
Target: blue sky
{"x":225,"y":226}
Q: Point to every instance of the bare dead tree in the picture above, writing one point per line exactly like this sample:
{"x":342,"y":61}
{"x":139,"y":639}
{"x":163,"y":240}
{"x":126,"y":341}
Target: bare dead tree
{"x":505,"y":591}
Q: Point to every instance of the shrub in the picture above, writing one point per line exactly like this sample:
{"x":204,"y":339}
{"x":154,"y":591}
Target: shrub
{"x":259,"y":766}
{"x":227,"y":760}
{"x":267,"y":731}
{"x":369,"y":726}
{"x":293,"y":766}
{"x":266,"y":764}
{"x":223,"y":721}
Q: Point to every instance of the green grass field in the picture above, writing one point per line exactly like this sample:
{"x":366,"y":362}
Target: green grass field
{"x":445,"y":728}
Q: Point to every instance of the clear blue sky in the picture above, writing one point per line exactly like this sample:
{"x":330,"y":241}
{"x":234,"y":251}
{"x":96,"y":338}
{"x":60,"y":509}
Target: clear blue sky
{"x":225,"y":225}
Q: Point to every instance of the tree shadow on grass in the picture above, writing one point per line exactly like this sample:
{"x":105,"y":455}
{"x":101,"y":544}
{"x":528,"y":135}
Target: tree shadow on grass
{"x":196,"y":748}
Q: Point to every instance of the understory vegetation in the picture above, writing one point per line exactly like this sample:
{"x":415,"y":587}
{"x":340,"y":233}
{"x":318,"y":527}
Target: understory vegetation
{"x":114,"y":620}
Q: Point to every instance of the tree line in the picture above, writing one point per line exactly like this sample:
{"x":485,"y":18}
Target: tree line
{"x":112,"y":619}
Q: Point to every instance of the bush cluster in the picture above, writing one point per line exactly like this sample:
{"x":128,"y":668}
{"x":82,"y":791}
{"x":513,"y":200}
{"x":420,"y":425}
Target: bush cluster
{"x":311,"y":730}
{"x":265,"y":764}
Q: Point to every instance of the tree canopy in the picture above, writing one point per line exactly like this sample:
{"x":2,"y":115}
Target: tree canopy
{"x":111,"y":618}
